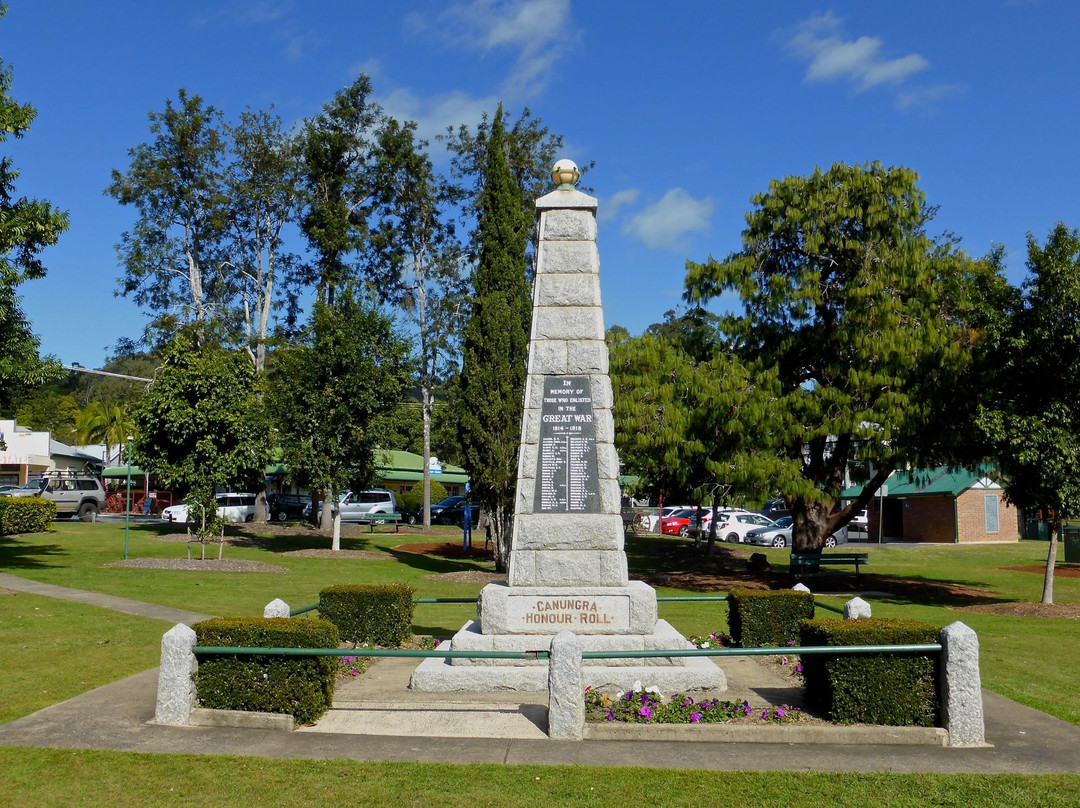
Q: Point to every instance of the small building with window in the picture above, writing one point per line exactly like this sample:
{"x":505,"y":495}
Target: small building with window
{"x":28,"y":453}
{"x":946,"y":505}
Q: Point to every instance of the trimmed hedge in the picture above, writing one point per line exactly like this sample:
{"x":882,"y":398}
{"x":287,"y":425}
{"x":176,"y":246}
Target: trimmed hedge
{"x":302,"y":686}
{"x":25,"y":514}
{"x":378,"y":615}
{"x":414,"y":500}
{"x":758,"y":618}
{"x":889,"y":689}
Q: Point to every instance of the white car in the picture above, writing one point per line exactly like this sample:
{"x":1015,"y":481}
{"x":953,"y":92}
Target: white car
{"x":231,"y":508}
{"x":732,"y":526}
{"x":707,"y":517}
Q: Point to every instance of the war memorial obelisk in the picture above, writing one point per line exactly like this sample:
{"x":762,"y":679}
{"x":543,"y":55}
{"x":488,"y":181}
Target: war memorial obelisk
{"x":567,"y":562}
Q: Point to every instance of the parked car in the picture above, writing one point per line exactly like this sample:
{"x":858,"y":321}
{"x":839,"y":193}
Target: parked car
{"x":230,"y":508}
{"x":283,"y":507}
{"x":775,"y":509}
{"x":355,"y":505}
{"x":74,"y":493}
{"x":677,"y":523}
{"x":732,"y":526}
{"x":780,"y":535}
{"x":451,"y":511}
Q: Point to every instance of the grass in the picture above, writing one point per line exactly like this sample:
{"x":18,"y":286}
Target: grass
{"x":53,"y":650}
{"x":82,"y":778}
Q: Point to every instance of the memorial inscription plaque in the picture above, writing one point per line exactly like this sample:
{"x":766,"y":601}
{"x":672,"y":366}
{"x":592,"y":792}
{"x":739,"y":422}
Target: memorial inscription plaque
{"x":566,"y":475}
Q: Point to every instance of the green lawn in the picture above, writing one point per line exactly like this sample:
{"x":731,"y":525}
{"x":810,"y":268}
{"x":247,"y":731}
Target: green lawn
{"x":46,"y":777}
{"x":43,"y":638}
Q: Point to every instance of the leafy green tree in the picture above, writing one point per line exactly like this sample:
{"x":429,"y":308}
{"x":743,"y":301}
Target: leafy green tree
{"x":414,"y":240}
{"x":1034,"y":423}
{"x":27,"y":226}
{"x":690,"y":425}
{"x":173,"y":257}
{"x":496,"y":341}
{"x":200,"y":426}
{"x":338,"y":157}
{"x":847,"y":301}
{"x":328,"y":390}
{"x":261,"y":182}
{"x":50,"y":410}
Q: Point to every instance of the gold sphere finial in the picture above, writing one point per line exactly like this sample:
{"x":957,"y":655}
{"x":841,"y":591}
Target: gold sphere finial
{"x":566,"y":174}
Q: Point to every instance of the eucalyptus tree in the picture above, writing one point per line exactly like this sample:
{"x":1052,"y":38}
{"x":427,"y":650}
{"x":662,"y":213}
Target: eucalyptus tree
{"x":262,"y":184}
{"x":489,"y":400}
{"x":27,"y":226}
{"x":174,"y":257}
{"x":846,"y":300}
{"x":412,"y":244}
{"x":338,"y":149}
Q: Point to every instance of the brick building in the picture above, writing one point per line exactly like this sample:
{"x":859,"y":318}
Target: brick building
{"x":943,"y":505}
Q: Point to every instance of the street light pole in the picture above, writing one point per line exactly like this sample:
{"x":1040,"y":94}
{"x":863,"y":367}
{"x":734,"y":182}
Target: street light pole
{"x":127,"y":500}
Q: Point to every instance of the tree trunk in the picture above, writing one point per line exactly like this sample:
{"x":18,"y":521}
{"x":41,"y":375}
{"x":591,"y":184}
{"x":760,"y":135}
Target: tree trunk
{"x":425,"y":395}
{"x":502,"y":526}
{"x":1051,"y":558}
{"x":811,"y":524}
{"x":327,"y":520}
{"x":712,"y":527}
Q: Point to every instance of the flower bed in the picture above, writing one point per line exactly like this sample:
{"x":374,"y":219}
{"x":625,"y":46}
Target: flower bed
{"x":647,"y":705}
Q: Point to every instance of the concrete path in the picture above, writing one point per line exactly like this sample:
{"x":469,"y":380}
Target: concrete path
{"x":375,"y":718}
{"x":135,"y":607}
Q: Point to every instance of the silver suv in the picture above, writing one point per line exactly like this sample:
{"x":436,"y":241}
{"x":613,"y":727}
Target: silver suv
{"x":355,"y":505}
{"x":75,"y":493}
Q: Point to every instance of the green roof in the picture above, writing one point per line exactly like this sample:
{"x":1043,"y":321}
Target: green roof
{"x":947,"y":481}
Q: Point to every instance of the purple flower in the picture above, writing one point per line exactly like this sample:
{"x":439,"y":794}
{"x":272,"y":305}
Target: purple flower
{"x":695,"y":718}
{"x":783,"y":660}
{"x":791,"y":643}
{"x":798,"y":669}
{"x":780,"y":712}
{"x":629,"y":695}
{"x":746,"y":708}
{"x":765,"y":714}
{"x":687,"y":701}
{"x":646,"y":712}
{"x":610,"y":716}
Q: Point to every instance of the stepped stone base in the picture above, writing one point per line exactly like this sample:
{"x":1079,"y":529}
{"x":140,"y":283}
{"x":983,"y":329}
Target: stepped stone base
{"x":670,"y":674}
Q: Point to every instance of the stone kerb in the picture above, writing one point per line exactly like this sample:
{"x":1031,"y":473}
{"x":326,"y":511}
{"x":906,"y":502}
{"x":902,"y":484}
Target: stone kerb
{"x":176,"y":678}
{"x":961,"y":686}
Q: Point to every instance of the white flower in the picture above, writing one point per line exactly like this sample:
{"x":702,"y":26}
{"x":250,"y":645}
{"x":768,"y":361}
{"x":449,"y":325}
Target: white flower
{"x":705,"y":645}
{"x":637,"y":686}
{"x":654,"y":690}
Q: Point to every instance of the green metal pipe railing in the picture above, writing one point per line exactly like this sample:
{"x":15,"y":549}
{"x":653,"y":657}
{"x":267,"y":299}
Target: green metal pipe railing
{"x":794,"y":650}
{"x":368,"y":652}
{"x":666,"y":599}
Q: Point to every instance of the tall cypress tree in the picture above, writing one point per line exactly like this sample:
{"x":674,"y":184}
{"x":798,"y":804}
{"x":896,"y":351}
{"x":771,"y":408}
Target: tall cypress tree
{"x":495,"y":347}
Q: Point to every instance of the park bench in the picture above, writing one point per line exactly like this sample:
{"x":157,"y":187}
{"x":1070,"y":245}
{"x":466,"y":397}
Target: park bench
{"x":372,"y":519}
{"x":809,"y":565}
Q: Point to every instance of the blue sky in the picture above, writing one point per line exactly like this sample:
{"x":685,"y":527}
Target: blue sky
{"x":688,"y":109}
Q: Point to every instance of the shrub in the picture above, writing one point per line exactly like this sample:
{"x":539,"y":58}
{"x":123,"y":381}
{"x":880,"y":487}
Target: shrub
{"x":890,"y":689}
{"x":379,"y":615}
{"x":25,"y":514}
{"x":302,"y":686}
{"x":758,"y":618}
{"x":413,"y":500}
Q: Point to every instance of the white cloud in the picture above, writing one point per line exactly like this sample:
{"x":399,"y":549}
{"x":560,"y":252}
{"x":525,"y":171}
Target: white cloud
{"x":609,"y":207}
{"x":860,"y":61}
{"x":667,"y":222}
{"x":538,"y":31}
{"x":928,"y":97}
{"x":434,"y":114}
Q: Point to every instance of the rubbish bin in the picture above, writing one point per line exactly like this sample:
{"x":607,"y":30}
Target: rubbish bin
{"x":1070,"y":537}
{"x":1037,"y":530}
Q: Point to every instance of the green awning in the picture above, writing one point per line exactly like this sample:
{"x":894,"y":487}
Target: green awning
{"x":121,"y":472}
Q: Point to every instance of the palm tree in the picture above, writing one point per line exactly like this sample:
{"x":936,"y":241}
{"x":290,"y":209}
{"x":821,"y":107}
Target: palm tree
{"x":104,"y":423}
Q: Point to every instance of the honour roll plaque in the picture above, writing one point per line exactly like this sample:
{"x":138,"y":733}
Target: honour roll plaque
{"x":566,"y":477}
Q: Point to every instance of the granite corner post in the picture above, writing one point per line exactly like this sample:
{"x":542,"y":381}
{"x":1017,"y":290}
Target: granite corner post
{"x":961,"y":686}
{"x":176,"y":677}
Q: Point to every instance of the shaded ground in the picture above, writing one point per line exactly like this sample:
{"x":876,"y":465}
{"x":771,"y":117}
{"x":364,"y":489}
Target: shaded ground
{"x":1060,"y":610}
